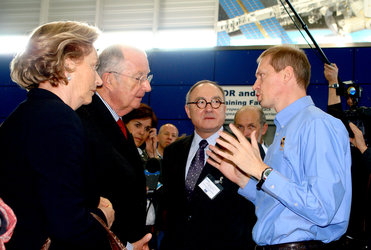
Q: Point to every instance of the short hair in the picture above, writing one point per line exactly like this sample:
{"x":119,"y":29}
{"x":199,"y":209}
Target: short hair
{"x":49,"y":45}
{"x":144,"y":111}
{"x":202,"y":82}
{"x":262,"y":118}
{"x":282,"y":56}
{"x":168,"y":124}
{"x":111,"y":59}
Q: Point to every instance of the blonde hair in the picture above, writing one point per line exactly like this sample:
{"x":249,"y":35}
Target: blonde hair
{"x":282,"y":56}
{"x":48,"y":47}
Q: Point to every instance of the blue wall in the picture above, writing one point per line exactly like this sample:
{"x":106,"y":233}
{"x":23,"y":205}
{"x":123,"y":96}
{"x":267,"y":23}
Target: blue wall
{"x":175,"y":71}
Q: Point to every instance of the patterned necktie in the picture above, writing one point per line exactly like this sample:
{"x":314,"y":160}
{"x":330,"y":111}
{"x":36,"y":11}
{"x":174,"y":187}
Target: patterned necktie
{"x":195,"y":168}
{"x":122,"y":126}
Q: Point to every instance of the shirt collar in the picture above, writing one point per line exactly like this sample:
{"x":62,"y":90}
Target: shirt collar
{"x":286,"y":114}
{"x":211,"y":140}
{"x":113,"y":113}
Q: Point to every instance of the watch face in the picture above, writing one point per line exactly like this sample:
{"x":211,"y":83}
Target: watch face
{"x":267,"y":172}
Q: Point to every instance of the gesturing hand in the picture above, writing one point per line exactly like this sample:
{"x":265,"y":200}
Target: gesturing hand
{"x":239,"y":152}
{"x":227,"y":167}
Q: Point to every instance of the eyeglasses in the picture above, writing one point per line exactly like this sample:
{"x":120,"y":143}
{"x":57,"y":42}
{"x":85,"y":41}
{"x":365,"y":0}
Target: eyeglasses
{"x":140,"y":79}
{"x":202,"y":103}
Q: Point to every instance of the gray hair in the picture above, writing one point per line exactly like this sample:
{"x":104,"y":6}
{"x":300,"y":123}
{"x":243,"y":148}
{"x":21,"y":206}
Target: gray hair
{"x":262,"y":118}
{"x":202,"y":82}
{"x":111,"y":59}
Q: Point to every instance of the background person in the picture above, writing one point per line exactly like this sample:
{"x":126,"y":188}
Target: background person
{"x":302,"y":191}
{"x":167,"y":134}
{"x":125,"y":74}
{"x":46,"y":176}
{"x":359,"y":142}
{"x":142,"y":123}
{"x":252,"y":118}
{"x":358,"y":119}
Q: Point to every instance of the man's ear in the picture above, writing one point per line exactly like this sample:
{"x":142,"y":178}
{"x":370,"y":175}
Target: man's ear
{"x":288,"y":73}
{"x":107,"y":79}
{"x":187,"y":111}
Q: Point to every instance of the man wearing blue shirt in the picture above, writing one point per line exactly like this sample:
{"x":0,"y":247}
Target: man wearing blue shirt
{"x":302,"y":191}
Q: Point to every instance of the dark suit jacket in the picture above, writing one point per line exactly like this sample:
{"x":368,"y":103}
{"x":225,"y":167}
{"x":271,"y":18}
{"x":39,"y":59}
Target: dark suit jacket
{"x":361,"y":192}
{"x":45,"y":178}
{"x":119,"y":166}
{"x":222,"y":223}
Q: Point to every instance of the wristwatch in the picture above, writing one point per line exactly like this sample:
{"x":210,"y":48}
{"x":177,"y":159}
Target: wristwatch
{"x":264,"y":176}
{"x":334,"y":86}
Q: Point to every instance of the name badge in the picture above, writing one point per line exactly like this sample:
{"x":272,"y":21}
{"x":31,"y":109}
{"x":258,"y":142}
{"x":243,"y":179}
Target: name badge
{"x":210,"y":186}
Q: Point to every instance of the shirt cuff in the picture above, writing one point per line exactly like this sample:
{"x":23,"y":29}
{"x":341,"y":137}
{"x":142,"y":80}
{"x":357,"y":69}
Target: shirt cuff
{"x":275,"y":183}
{"x":129,"y":246}
{"x":249,"y":191}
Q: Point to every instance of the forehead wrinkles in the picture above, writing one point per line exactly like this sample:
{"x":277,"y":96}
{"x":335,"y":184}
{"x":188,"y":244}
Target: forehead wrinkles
{"x":204,"y":90}
{"x":136,"y":63}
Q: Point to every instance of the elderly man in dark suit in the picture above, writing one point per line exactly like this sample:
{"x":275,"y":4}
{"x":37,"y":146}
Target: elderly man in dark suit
{"x":124,"y":71}
{"x":203,"y":209}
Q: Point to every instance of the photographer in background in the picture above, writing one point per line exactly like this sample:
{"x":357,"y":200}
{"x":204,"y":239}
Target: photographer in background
{"x":358,"y":122}
{"x":141,"y":123}
{"x":359,"y":142}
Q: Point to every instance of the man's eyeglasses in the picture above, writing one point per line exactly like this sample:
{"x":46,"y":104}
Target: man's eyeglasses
{"x":202,"y":103}
{"x":140,"y":79}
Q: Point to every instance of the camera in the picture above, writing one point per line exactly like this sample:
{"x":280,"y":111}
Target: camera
{"x":152,"y":173}
{"x":349,"y":89}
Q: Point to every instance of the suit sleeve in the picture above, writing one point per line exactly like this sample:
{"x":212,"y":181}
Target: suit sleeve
{"x":366,"y":157}
{"x":59,"y":161}
{"x":166,"y":175}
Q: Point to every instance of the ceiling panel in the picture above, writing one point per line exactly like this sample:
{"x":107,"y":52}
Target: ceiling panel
{"x":18,"y":17}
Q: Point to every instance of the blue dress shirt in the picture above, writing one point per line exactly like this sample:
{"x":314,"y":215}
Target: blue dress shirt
{"x":307,"y":196}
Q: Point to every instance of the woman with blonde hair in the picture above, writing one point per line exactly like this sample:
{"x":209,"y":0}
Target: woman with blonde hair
{"x":44,"y":160}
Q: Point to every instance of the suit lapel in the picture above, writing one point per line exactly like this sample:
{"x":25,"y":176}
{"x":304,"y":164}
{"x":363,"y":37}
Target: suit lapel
{"x":112,"y":130}
{"x":184,"y":154}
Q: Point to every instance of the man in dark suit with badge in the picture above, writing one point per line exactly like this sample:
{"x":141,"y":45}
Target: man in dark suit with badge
{"x":203,"y":209}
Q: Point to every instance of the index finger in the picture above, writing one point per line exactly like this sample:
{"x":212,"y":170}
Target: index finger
{"x":241,"y":138}
{"x":354,"y":128}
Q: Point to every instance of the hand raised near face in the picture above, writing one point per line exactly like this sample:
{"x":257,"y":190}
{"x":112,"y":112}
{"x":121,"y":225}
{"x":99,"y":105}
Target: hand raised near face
{"x":239,"y":152}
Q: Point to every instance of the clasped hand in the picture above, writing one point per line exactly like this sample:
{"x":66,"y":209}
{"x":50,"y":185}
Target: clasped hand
{"x":106,"y":206}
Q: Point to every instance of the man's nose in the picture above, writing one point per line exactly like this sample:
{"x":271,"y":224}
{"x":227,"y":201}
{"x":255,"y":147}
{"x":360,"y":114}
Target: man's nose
{"x":208,"y":106}
{"x":146,"y":86}
{"x":248,"y":133}
{"x":255,"y":86}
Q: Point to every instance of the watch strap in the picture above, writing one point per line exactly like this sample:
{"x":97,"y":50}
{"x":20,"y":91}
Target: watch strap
{"x":264,"y":176}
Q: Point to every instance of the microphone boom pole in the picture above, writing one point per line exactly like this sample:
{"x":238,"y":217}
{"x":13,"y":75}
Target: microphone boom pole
{"x":305,"y":27}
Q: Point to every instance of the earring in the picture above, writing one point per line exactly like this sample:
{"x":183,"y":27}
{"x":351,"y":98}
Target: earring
{"x":69,"y":77}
